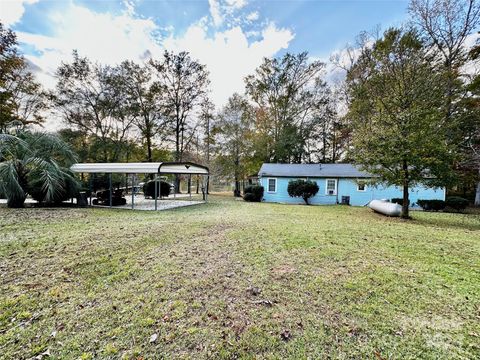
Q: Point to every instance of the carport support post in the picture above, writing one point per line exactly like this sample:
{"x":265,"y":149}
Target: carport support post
{"x":190,"y":185}
{"x":110,"y":192}
{"x":90,"y":182}
{"x":160,"y":176}
{"x":92,"y":187}
{"x":156,"y":192}
{"x":133,"y":192}
{"x":205,"y":189}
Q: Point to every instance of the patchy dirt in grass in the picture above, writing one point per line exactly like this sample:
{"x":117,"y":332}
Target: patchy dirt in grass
{"x":41,"y":215}
{"x":283,"y":271}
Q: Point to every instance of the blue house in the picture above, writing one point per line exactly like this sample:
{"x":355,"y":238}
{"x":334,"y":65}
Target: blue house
{"x":338,"y":183}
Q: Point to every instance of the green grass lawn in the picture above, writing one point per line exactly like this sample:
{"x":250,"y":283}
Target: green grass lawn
{"x":232,"y":279}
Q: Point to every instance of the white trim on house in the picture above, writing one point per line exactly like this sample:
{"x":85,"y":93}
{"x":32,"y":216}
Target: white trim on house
{"x":364,"y":186}
{"x":331,"y":192}
{"x":268,"y":185}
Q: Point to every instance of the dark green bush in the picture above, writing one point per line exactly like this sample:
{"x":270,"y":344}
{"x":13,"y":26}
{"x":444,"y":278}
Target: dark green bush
{"x":250,"y":197}
{"x":398,"y":201}
{"x":431,"y":205}
{"x":456,"y":203}
{"x":302,"y":188}
{"x":163,"y":188}
{"x":253,"y":193}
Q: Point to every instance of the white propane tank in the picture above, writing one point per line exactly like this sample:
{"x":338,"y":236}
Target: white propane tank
{"x":385,"y":207}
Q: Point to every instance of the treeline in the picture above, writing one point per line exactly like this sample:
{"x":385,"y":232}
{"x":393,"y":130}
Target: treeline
{"x":407,"y":109}
{"x":160,"y":111}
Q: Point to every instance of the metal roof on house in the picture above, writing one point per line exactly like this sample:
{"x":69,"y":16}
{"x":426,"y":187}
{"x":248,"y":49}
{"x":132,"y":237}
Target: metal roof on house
{"x":141,"y":168}
{"x":312,"y":170}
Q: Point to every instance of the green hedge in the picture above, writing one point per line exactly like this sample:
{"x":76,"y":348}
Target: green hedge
{"x":163,"y":189}
{"x":456,"y":203}
{"x":431,"y":205}
{"x":253,"y":193}
{"x":398,"y":201}
{"x":302,"y":188}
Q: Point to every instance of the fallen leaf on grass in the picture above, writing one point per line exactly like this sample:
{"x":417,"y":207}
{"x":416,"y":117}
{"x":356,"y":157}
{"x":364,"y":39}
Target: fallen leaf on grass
{"x":153,"y":338}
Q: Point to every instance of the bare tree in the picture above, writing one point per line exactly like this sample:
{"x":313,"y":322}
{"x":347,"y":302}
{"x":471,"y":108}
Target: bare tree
{"x":233,"y":131}
{"x":183,"y":83}
{"x":445,"y":25}
{"x":90,"y":98}
{"x":144,"y":100}
{"x":207,"y":117}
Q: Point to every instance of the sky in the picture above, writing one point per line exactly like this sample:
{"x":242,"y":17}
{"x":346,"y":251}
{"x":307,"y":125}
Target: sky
{"x":230,"y":36}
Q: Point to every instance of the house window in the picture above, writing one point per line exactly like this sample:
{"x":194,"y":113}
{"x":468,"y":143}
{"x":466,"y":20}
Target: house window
{"x":361,"y":186}
{"x":331,"y":188}
{"x":272,"y":185}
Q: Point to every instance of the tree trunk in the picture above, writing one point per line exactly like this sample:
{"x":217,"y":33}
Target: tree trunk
{"x":406,"y":200}
{"x":149,"y":148}
{"x":16,"y":202}
{"x":177,"y":184}
{"x":237,"y":192}
{"x":477,"y":194}
{"x":178,"y":153}
{"x":406,"y":183}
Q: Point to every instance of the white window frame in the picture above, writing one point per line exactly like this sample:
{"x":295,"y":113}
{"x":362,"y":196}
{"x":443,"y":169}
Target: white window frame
{"x":326,"y":187}
{"x":364,"y":186}
{"x":268,"y":185}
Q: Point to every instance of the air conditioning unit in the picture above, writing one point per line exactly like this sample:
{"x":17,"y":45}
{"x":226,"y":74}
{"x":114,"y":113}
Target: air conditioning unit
{"x":346,"y":200}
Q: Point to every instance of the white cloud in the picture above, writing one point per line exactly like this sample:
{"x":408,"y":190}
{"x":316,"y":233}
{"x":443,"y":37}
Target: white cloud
{"x":215,"y":12}
{"x":253,"y":16}
{"x":110,"y":39}
{"x":228,"y":55}
{"x":472,"y":68}
{"x":102,"y":37}
{"x":220,"y":10}
{"x":12,"y":10}
{"x":236,"y":4}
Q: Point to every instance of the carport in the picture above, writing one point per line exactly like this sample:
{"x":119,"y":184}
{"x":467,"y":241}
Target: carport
{"x":155,"y":168}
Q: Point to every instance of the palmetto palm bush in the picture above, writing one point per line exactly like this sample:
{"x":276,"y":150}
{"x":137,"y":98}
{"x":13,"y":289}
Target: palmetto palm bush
{"x":35,"y":163}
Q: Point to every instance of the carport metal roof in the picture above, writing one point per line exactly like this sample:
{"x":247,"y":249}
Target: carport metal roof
{"x":183,"y":168}
{"x":141,"y":168}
